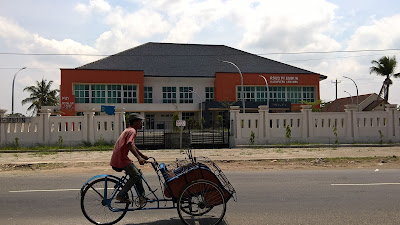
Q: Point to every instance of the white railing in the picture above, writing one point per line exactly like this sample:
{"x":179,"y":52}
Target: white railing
{"x":315,"y":127}
{"x":268,"y":128}
{"x":66,"y":130}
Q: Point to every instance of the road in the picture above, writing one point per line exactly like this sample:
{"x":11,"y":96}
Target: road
{"x":272,"y":197}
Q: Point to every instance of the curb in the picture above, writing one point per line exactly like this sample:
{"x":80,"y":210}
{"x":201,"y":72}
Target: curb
{"x":238,"y":146}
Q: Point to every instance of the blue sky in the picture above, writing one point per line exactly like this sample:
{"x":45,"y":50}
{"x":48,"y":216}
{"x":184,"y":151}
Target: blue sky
{"x":260,"y":27}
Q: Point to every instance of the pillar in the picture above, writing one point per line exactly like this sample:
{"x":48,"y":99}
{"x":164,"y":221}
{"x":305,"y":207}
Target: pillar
{"x":351,"y":122}
{"x":307,"y":123}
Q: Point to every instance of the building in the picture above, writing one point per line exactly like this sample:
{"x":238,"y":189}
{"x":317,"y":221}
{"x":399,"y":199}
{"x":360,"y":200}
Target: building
{"x":367,"y":102}
{"x":159,"y":79}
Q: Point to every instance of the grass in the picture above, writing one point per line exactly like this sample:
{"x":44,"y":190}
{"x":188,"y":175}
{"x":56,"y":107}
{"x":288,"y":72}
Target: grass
{"x":43,"y":148}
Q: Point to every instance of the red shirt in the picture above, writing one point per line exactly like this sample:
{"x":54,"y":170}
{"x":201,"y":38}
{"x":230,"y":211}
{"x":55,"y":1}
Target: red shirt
{"x":120,"y":157}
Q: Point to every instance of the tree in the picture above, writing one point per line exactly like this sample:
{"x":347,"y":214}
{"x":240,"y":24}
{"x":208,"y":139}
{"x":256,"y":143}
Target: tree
{"x":41,"y":94}
{"x":315,"y":106}
{"x":385,"y":66}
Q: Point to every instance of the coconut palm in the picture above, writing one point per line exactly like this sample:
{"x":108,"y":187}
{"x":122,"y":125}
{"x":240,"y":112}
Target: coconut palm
{"x":385,"y":66}
{"x":41,"y":94}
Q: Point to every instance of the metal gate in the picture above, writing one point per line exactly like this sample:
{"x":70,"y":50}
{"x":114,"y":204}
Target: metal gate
{"x":165,"y":138}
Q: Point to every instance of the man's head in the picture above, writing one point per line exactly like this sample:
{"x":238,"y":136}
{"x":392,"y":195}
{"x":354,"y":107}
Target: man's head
{"x":135,"y":119}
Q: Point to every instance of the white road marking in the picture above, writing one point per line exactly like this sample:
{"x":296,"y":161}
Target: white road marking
{"x":51,"y":190}
{"x":367,"y":184}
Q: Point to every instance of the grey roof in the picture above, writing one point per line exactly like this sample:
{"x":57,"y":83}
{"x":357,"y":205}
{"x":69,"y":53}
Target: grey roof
{"x":185,"y":60}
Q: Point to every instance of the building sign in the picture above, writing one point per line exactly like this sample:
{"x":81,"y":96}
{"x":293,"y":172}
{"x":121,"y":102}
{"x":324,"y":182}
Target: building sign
{"x":15,"y":119}
{"x":109,"y":110}
{"x":279,"y":105}
{"x":284,"y":80}
{"x":181,"y":123}
{"x":68,"y":105}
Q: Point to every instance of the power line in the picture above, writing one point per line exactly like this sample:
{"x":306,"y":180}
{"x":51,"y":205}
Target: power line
{"x":270,"y":53}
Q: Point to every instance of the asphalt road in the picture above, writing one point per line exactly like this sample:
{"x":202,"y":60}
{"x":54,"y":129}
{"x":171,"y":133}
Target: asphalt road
{"x":273,"y":197}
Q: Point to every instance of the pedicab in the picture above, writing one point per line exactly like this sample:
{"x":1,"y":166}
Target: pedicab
{"x":195,"y":186}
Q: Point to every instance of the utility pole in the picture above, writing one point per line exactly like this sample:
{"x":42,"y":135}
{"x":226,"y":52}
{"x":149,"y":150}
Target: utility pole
{"x":336,"y":94}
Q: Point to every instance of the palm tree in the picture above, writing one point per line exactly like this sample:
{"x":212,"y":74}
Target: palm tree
{"x":385,"y":66}
{"x":41,"y":95}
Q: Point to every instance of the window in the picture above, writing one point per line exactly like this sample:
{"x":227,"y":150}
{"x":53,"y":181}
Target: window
{"x":209,"y":94}
{"x":261,"y":94}
{"x":130,"y":94}
{"x":187,"y":115}
{"x":113,"y":93}
{"x":98,"y":93}
{"x":148,"y":95}
{"x":294,"y":94}
{"x":169,"y":94}
{"x":308,"y":94}
{"x":253,"y":93}
{"x":277,"y":94}
{"x":185,"y":95}
{"x":81,"y":93}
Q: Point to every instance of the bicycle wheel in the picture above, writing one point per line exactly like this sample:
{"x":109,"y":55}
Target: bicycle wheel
{"x":201,"y":202}
{"x":96,"y":204}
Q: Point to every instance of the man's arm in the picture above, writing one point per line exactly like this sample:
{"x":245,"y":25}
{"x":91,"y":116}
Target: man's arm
{"x":135,"y":151}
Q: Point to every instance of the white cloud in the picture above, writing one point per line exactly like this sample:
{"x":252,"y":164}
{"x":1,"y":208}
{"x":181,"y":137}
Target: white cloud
{"x":100,"y":6}
{"x":304,"y":26}
{"x":382,"y":34}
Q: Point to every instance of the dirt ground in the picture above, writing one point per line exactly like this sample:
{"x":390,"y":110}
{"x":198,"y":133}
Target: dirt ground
{"x":238,"y":159}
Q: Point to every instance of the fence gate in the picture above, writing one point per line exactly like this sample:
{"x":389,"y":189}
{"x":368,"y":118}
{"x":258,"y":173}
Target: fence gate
{"x":167,"y":137}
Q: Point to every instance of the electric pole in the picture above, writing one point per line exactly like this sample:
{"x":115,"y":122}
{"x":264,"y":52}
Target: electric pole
{"x":336,"y":82}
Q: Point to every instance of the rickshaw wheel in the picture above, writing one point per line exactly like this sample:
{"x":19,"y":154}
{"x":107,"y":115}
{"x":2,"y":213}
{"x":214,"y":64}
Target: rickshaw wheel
{"x":94,"y":206}
{"x":201,"y":202}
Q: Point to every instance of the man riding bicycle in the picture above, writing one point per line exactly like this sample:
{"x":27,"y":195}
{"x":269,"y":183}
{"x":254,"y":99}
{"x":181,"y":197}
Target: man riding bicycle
{"x":120,"y":160}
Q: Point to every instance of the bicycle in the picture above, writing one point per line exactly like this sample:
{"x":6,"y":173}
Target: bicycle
{"x":196,"y":187}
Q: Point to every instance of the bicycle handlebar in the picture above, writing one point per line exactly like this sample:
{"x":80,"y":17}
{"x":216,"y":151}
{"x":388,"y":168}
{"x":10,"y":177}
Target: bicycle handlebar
{"x":154,"y":163}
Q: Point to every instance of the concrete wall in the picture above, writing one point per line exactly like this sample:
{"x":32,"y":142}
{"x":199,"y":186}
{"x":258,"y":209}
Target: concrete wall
{"x":71,"y":130}
{"x":316,"y":127}
{"x":268,"y":128}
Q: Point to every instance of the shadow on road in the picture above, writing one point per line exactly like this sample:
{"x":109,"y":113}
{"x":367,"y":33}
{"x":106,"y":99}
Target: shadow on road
{"x":172,"y":221}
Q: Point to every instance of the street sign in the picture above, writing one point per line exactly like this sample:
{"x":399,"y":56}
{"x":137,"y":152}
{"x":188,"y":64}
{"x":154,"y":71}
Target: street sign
{"x":181,"y":123}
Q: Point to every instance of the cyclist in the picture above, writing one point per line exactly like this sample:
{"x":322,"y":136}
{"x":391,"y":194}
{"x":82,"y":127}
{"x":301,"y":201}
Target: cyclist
{"x":121,"y":162}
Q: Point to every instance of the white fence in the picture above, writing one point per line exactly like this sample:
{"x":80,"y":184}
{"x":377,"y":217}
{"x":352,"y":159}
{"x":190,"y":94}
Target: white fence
{"x":70,"y":130}
{"x":268,"y":128}
{"x":315,"y":127}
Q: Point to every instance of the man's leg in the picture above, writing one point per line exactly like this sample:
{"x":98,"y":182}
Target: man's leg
{"x":134,"y":178}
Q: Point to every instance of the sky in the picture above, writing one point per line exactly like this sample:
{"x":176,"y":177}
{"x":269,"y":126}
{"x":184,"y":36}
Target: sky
{"x":334,"y":38}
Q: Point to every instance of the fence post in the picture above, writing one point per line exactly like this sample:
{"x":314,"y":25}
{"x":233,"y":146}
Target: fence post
{"x":43,"y":126}
{"x":307,"y":123}
{"x":235,"y":130}
{"x":263,"y":111}
{"x":3,"y":127}
{"x":119,"y":121}
{"x":351,"y":122}
{"x":391,"y":128}
{"x":89,"y":129}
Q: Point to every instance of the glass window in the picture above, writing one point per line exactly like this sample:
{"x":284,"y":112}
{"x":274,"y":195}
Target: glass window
{"x":130,"y":94}
{"x":209,"y":94}
{"x":98,"y":93}
{"x":294,"y":94}
{"x":185,"y":95}
{"x":169,"y":94}
{"x":277,"y":94}
{"x":148,"y":94}
{"x":187,"y":115}
{"x":113,"y":93}
{"x":81,"y":93}
{"x":308,"y":94}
